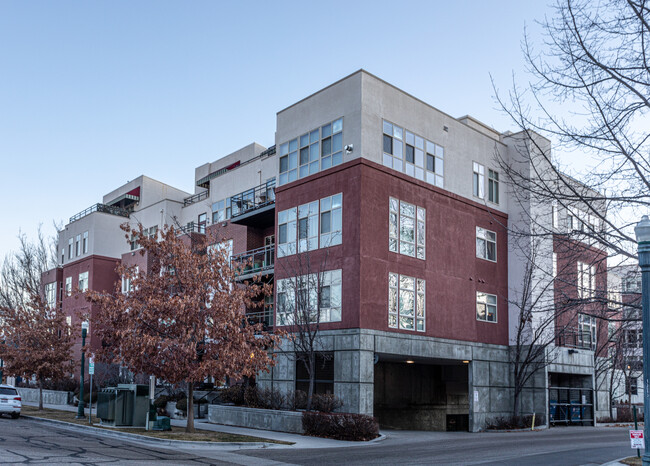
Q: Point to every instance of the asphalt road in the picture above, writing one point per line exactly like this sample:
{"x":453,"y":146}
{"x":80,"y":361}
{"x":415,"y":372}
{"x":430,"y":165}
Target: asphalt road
{"x":24,"y":441}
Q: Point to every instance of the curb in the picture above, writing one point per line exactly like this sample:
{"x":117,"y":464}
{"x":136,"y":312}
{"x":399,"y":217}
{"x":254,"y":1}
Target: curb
{"x":153,"y":441}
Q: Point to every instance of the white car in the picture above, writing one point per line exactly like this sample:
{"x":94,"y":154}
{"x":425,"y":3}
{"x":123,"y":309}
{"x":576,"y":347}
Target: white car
{"x":10,"y":401}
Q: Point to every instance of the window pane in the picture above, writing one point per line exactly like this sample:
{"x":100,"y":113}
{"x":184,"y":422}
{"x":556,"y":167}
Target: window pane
{"x":304,"y":155}
{"x":313,"y":152}
{"x":397,"y":148}
{"x":284,"y":164}
{"x":293,"y":145}
{"x":388,"y":144}
{"x":313,"y":136}
{"x":304,"y":140}
{"x":282,"y":233}
{"x":337,"y":125}
{"x":326,"y":146}
{"x":326,"y":130}
{"x":397,"y":132}
{"x":337,"y":142}
{"x":491,"y":251}
{"x":410,"y":154}
{"x":388,"y":128}
{"x":337,"y":200}
{"x":407,"y":209}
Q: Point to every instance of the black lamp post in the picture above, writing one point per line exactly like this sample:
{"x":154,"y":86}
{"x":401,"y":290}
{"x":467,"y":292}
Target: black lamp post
{"x":642,"y":231}
{"x":80,"y":412}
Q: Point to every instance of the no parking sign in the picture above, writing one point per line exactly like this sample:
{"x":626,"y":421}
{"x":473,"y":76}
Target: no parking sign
{"x":636,"y":439}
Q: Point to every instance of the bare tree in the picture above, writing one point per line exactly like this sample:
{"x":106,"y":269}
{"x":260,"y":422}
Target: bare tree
{"x":303,"y":299}
{"x":20,"y":274}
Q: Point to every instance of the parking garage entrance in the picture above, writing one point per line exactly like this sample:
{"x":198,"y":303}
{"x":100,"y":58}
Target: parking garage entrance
{"x":570,"y":400}
{"x":419,"y":395}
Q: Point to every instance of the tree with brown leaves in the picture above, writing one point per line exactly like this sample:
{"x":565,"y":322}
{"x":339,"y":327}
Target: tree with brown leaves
{"x":182,"y":319}
{"x":35,"y":341}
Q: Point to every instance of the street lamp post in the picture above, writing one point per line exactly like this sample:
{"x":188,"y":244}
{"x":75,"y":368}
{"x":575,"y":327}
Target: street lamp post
{"x":80,"y":412}
{"x":642,"y":231}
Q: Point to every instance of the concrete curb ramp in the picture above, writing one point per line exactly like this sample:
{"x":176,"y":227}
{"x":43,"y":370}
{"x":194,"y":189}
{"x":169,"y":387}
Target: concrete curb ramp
{"x":153,"y":441}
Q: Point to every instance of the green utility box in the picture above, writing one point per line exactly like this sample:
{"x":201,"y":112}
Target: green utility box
{"x":124,"y":405}
{"x":162,"y":423}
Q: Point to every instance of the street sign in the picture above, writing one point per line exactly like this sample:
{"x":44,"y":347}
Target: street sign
{"x":636,"y":439}
{"x":91,"y":368}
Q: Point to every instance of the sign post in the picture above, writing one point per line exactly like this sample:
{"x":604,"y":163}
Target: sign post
{"x":91,"y":372}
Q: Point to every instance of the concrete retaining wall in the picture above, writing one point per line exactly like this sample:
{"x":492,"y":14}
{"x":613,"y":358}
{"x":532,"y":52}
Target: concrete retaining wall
{"x":50,"y":397}
{"x":268,"y":419}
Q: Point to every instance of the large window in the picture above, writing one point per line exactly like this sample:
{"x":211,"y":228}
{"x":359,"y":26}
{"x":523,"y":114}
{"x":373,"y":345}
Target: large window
{"x":414,"y":155}
{"x":406,"y":229}
{"x":83,"y":281}
{"x":202,"y":222}
{"x":486,"y":244}
{"x":331,"y":221}
{"x":77,"y":246}
{"x":85,"y":242}
{"x":221,"y":210}
{"x":298,"y":227}
{"x":478,"y":180}
{"x":315,"y":295}
{"x":493,"y":186}
{"x":586,"y":280}
{"x":486,"y":307}
{"x":317,"y":150}
{"x":587,"y":331}
{"x":50,"y":294}
{"x":406,"y":302}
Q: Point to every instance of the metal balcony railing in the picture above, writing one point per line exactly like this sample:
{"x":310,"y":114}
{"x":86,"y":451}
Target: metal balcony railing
{"x":106,"y":209}
{"x":254,"y":198}
{"x":192,"y":227}
{"x":196,"y":198}
{"x":264,"y":317}
{"x":255,"y":260}
{"x":577,"y":340}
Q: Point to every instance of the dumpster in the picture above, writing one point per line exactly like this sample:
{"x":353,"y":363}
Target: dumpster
{"x":124,"y":405}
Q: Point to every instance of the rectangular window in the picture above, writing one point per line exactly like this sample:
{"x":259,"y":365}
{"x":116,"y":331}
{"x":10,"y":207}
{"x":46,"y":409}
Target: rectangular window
{"x":631,"y":386}
{"x":77,"y":246}
{"x":299,"y":296}
{"x":478,"y":180}
{"x":287,"y":232}
{"x":70,"y":256}
{"x":587,"y":331}
{"x":586,"y":280}
{"x":331,"y":220}
{"x":50,"y":295}
{"x":202,"y":222}
{"x":486,"y":307}
{"x":83,"y":281}
{"x":62,"y":256}
{"x":554,"y":215}
{"x":554,"y":265}
{"x":406,"y":228}
{"x":308,"y":227}
{"x":85,"y":242}
{"x":414,"y":155}
{"x":127,"y":283}
{"x":493,"y":186}
{"x":406,"y":302}
{"x":68,"y":286}
{"x":221,"y":210}
{"x":486,"y":244}
{"x":134,"y":241}
{"x":315,"y":151}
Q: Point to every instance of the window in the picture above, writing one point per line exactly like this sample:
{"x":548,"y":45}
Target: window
{"x":308,"y":227}
{"x":486,"y":307}
{"x":50,"y":294}
{"x":302,"y":224}
{"x":631,"y":386}
{"x":224,"y":246}
{"x":324,"y":376}
{"x":406,"y":302}
{"x":586,"y":280}
{"x":587,"y":331}
{"x":317,"y":150}
{"x":134,"y":241}
{"x":221,"y":210}
{"x":414,"y":155}
{"x":634,"y":338}
{"x":479,"y":180}
{"x":62,"y":256}
{"x":287,"y":232}
{"x":486,"y":244}
{"x":68,"y":286}
{"x":70,"y":256}
{"x":151,"y":232}
{"x":77,"y":246}
{"x":83,"y":281}
{"x":202,"y":221}
{"x":127,"y":283}
{"x":554,"y":215}
{"x":331,"y":222}
{"x":554,"y":265}
{"x":493,"y":186}
{"x":300,"y":294}
{"x":85,"y":242}
{"x":406,"y":228}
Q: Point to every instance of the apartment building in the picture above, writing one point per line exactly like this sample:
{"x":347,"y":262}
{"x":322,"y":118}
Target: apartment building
{"x":402,"y":211}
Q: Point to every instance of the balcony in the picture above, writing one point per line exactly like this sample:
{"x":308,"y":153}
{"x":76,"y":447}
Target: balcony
{"x":576,"y":340}
{"x":256,"y":206}
{"x":103,"y":208}
{"x":264,"y":317}
{"x":259,"y":261}
{"x":191,"y":227}
{"x":196,"y":198}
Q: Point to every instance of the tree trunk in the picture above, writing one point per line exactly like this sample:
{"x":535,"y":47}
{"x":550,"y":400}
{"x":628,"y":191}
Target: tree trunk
{"x":190,"y":408}
{"x":312,"y":374}
{"x":515,"y":410}
{"x":40,"y":394}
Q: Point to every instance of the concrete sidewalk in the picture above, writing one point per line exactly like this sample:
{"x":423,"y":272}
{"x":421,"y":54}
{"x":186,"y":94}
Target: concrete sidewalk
{"x":299,"y":441}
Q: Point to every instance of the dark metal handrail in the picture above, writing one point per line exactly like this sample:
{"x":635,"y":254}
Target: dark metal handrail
{"x":195,"y":198}
{"x":254,"y":198}
{"x":191,"y":227}
{"x":103,"y":208}
{"x":573,"y":340}
{"x":255,"y":260}
{"x":264,"y":317}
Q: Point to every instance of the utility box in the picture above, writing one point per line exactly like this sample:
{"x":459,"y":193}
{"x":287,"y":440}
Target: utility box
{"x":124,"y":405}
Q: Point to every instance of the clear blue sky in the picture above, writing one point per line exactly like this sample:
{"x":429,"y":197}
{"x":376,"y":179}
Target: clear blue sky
{"x":93,"y":94}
